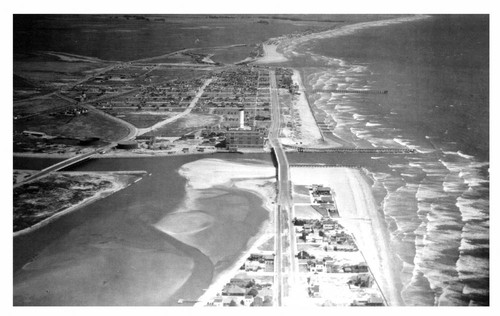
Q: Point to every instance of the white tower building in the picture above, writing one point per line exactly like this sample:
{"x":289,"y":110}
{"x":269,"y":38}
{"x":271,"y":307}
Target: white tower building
{"x":242,"y":119}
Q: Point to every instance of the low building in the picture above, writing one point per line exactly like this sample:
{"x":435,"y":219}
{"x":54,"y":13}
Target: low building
{"x":35,"y":134}
{"x":128,"y":145}
{"x":244,"y":139}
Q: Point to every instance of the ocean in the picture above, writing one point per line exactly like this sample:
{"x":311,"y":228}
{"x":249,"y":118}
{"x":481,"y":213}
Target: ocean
{"x":435,"y":202}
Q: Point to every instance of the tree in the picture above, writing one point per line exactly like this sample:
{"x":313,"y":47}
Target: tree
{"x":250,"y":284}
{"x":267,"y":302}
{"x":233,"y":303}
{"x":253,"y":292}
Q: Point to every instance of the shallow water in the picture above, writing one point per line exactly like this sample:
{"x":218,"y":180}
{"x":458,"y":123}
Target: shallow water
{"x":110,"y":253}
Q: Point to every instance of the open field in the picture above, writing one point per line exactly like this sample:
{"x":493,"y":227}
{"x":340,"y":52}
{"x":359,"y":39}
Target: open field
{"x":306,"y":212}
{"x":190,"y":123}
{"x":37,"y":105}
{"x":143,"y":120}
{"x":81,"y":126}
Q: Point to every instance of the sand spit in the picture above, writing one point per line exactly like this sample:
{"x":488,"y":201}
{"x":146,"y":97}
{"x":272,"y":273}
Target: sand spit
{"x":118,"y":180}
{"x":288,"y":45}
{"x":271,"y":55}
{"x":359,"y":214}
{"x":212,"y":203}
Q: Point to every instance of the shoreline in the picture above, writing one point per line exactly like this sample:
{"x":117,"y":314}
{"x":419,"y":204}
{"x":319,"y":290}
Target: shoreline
{"x":223,"y":277}
{"x":98,"y":196}
{"x":249,"y":180}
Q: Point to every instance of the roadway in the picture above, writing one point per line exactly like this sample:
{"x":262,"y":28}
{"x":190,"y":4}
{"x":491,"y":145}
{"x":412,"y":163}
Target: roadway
{"x":61,"y":165}
{"x":284,"y":199}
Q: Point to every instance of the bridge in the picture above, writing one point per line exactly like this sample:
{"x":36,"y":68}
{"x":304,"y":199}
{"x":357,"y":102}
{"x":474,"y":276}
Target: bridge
{"x":63,"y":164}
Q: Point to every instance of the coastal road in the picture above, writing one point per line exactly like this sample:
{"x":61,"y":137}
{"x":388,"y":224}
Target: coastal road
{"x":283,"y":218}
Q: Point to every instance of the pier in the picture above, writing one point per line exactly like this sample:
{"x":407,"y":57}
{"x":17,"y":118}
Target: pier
{"x":310,"y":165}
{"x":354,"y":150}
{"x":343,"y":91}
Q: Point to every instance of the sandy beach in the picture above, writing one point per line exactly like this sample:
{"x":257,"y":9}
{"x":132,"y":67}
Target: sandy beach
{"x":359,"y":214}
{"x":310,"y":135}
{"x":271,"y":55}
{"x":212,"y":200}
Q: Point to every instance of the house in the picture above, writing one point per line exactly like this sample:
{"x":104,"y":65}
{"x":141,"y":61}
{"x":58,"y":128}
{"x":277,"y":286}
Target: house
{"x":311,"y":266}
{"x":314,"y":291}
{"x":266,"y":292}
{"x":361,"y":267}
{"x":330,"y":225}
{"x":331,"y":267}
{"x":242,"y":282}
{"x":320,"y":190}
{"x":217,"y":301}
{"x":257,"y":301}
{"x":310,"y":238}
{"x":374,"y":300}
{"x":324,"y":199}
{"x":252,"y":265}
{"x":307,"y":228}
{"x":320,"y":266}
{"x":304,"y":255}
{"x":248,"y":300}
{"x":233,"y":290}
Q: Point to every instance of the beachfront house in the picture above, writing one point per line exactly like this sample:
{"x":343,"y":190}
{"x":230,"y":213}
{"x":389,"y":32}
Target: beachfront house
{"x":248,"y":300}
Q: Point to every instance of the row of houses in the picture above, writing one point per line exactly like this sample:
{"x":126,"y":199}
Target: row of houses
{"x":259,"y":262}
{"x":244,"y":292}
{"x":329,"y":265}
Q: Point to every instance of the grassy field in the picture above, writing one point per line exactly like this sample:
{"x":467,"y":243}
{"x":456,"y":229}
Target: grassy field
{"x":39,"y":105}
{"x":82,"y":126}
